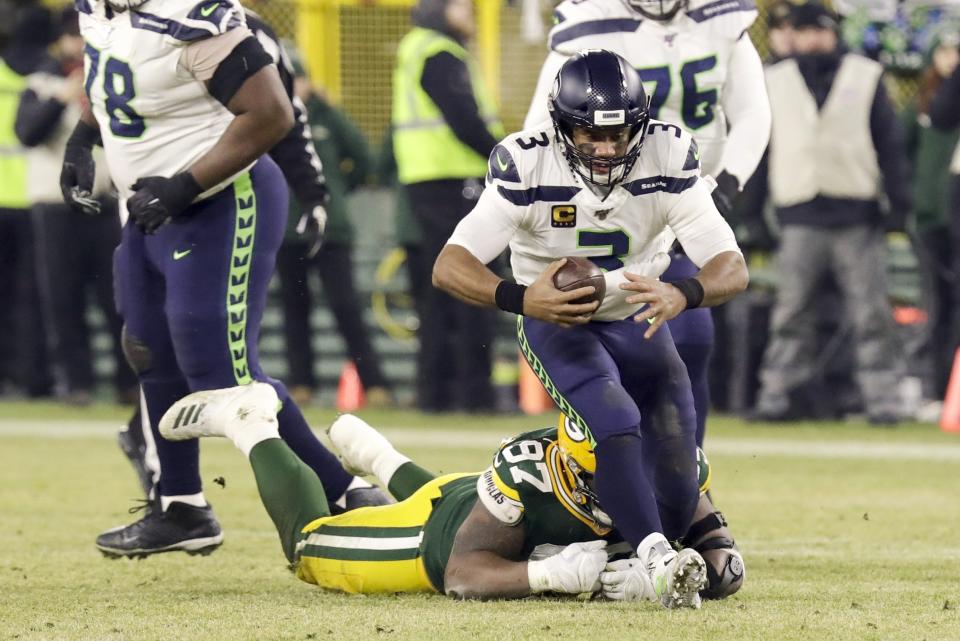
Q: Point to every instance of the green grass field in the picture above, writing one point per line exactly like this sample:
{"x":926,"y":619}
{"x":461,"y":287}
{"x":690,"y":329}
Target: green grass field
{"x":848,"y":532}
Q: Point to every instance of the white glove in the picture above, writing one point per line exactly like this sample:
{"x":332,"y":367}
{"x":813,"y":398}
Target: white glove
{"x":627,"y":580}
{"x":576,"y":569}
{"x":312,"y":224}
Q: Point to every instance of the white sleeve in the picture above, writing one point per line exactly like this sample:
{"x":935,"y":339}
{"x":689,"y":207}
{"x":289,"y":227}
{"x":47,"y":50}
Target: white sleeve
{"x":486,"y":231}
{"x":538,"y":111}
{"x":701,"y":229}
{"x":747,"y":108}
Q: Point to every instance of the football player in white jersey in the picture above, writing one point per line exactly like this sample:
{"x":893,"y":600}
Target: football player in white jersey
{"x":185,"y":101}
{"x":605,"y":182}
{"x":702,"y":73}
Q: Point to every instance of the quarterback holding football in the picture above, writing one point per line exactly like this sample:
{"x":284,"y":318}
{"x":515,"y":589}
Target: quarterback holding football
{"x":604,"y":181}
{"x":703,"y":74}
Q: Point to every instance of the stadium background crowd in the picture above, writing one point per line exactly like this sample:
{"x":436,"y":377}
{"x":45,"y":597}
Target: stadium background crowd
{"x":55,"y":263}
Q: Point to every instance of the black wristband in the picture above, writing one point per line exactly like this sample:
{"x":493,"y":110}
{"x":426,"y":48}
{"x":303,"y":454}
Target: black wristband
{"x":85,"y":136}
{"x":509,"y":297}
{"x":692,"y":290}
{"x":188,"y":184}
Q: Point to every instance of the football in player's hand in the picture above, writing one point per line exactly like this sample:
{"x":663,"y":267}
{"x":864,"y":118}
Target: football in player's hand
{"x":579,"y":272}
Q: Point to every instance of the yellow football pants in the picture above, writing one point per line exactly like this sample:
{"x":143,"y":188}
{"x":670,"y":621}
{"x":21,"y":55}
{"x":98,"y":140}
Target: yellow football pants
{"x":371,"y":549}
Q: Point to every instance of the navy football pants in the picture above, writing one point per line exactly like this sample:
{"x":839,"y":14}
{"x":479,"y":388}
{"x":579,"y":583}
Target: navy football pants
{"x":193,"y":294}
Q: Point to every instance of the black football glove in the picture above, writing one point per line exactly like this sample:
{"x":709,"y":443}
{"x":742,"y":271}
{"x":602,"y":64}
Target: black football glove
{"x":725,"y":193}
{"x":79,"y":169}
{"x":157,"y":200}
{"x":311,"y":226}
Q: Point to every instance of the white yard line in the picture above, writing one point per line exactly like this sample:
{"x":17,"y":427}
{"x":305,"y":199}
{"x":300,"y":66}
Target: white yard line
{"x":405,"y":437}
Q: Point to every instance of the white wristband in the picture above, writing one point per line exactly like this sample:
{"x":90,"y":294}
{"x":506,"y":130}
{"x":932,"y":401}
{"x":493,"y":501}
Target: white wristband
{"x":538,"y":574}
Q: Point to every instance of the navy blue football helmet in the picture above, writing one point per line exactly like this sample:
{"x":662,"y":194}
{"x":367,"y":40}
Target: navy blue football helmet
{"x":598,"y":93}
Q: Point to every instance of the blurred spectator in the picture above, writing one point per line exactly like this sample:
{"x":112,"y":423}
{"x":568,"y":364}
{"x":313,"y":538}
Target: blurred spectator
{"x":74,"y":252}
{"x":346,"y":164}
{"x":779,"y":32}
{"x":445,"y":127}
{"x":23,"y":358}
{"x":835,"y":135}
{"x":931,"y":150}
{"x":944,"y":113}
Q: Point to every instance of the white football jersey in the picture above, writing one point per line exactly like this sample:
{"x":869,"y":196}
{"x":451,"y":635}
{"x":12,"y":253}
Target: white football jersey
{"x":685,"y":65}
{"x":539,"y":207}
{"x":155,"y":118}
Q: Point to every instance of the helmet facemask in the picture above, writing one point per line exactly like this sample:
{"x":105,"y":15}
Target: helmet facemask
{"x":579,"y":464}
{"x":603,"y":171}
{"x":123,"y":5}
{"x":659,"y":10}
{"x":600,"y":113}
{"x":584,"y":493}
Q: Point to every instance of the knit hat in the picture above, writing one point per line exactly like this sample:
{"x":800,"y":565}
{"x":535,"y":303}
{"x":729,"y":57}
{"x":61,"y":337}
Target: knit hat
{"x":812,"y":15}
{"x":430,"y":14}
{"x":778,"y":15}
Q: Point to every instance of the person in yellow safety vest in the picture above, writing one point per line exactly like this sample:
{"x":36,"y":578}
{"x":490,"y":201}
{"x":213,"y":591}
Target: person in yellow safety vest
{"x":23,"y":359}
{"x":445,"y":126}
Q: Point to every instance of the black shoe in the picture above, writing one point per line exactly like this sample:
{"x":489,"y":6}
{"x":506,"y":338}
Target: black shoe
{"x":362,"y":497}
{"x":182,"y":527}
{"x":134,"y":448}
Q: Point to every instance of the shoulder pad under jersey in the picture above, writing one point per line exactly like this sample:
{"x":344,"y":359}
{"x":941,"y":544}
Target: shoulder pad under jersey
{"x":726,"y":19}
{"x":577,"y":23}
{"x":671,"y":158}
{"x":187,"y":21}
{"x":519,"y":470}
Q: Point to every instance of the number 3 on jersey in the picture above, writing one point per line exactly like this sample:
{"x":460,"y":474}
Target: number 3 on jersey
{"x":696,"y":105}
{"x":118,"y":86}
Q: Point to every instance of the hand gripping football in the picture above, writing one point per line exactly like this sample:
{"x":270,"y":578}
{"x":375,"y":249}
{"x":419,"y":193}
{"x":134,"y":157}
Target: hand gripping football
{"x":580,"y":272}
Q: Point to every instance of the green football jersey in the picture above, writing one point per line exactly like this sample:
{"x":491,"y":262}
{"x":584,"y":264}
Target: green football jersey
{"x":525,"y":485}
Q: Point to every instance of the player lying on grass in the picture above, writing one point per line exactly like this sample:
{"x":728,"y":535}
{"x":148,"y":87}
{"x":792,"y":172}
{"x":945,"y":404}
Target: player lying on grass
{"x":485,"y":535}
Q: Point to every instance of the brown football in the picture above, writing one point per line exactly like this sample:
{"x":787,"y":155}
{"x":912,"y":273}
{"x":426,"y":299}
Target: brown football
{"x":579,"y":272}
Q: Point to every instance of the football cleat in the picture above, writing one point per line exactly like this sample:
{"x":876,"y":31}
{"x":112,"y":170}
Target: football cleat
{"x":181,"y":527}
{"x":359,"y":444}
{"x":215,"y":412}
{"x":677,"y":577}
{"x":361,"y":497}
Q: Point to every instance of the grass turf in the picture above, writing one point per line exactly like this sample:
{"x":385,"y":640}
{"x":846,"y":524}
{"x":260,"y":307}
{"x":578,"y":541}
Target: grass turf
{"x":847,"y":531}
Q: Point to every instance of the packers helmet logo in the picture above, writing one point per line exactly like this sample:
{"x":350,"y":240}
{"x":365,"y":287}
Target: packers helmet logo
{"x":573,"y":431}
{"x":563,"y":216}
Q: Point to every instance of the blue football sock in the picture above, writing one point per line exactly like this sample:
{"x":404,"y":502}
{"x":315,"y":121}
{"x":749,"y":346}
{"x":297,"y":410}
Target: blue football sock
{"x":623,"y":487}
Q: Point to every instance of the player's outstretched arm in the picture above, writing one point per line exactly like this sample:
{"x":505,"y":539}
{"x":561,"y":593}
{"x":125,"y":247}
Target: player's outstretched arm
{"x":484,"y":563}
{"x":747,"y":108}
{"x":461,"y":274}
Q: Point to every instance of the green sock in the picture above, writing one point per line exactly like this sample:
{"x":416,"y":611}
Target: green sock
{"x":408,"y":478}
{"x":290,"y":491}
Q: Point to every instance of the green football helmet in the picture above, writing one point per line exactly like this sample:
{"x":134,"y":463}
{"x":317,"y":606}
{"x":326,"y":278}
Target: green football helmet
{"x":579,"y":465}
